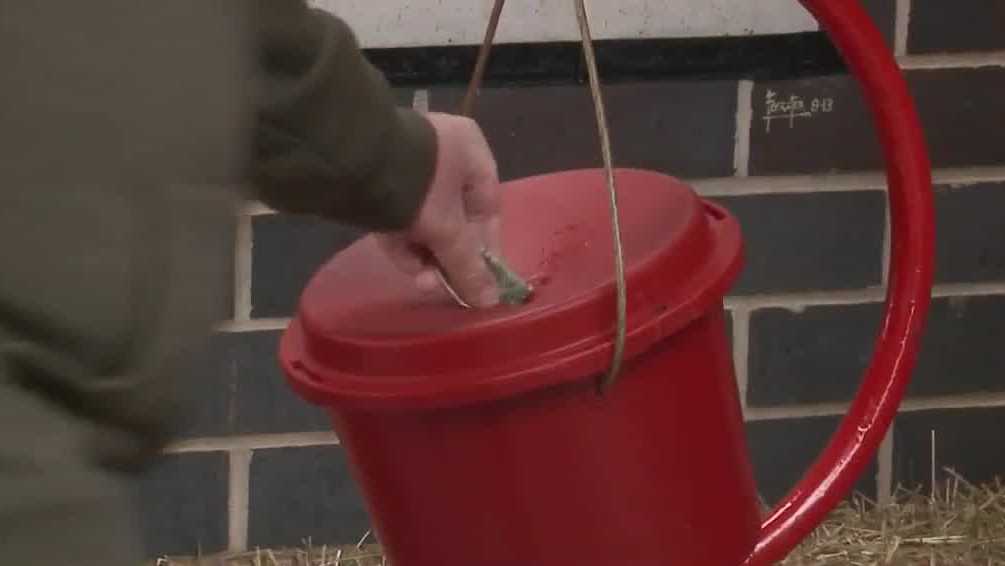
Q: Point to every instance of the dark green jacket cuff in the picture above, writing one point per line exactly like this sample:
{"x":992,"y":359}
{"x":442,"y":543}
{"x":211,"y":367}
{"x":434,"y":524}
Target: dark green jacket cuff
{"x":329,"y":139}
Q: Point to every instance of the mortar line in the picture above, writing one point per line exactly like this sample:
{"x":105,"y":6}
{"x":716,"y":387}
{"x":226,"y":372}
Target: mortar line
{"x":800,"y":300}
{"x":901,"y":27}
{"x":239,"y":461}
{"x":420,"y":100}
{"x":254,"y":442}
{"x":254,"y":325}
{"x":981,"y":289}
{"x":982,"y":400}
{"x":257,"y":208}
{"x":884,"y":471}
{"x":787,"y":184}
{"x":887,"y":245}
{"x":933,"y":460}
{"x":963,"y":176}
{"x":973,"y":60}
{"x":784,"y":184}
{"x":741,"y":349}
{"x":965,"y":401}
{"x":794,"y":301}
{"x":242,"y":268}
{"x":744,"y":121}
{"x":836,"y":182}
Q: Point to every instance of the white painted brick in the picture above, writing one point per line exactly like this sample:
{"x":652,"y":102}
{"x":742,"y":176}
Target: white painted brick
{"x":403,"y":23}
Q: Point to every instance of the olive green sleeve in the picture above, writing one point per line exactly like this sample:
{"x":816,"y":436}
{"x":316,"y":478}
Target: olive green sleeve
{"x":328,"y":138}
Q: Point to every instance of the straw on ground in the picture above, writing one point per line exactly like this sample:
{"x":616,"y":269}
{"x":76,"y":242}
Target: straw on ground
{"x":955,"y":524}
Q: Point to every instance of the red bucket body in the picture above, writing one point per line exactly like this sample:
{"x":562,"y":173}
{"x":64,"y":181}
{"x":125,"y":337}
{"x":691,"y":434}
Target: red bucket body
{"x":480,"y":438}
{"x":653,"y":474}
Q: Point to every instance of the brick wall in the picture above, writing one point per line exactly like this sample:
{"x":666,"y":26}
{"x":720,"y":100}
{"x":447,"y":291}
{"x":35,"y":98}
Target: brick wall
{"x":257,"y":467}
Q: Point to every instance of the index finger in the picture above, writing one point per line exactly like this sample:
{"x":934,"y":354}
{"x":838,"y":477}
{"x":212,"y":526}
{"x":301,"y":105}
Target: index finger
{"x":483,"y":206}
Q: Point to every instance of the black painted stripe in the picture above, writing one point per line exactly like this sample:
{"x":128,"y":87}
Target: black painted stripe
{"x":753,"y":56}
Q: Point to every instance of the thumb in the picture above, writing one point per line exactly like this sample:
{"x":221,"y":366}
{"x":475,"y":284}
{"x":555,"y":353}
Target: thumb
{"x":464,"y":267}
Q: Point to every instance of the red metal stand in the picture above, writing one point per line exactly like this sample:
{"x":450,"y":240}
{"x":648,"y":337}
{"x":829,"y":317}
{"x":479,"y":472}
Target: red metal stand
{"x":910,"y":196}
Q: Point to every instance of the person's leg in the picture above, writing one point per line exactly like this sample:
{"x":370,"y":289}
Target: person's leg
{"x":56,"y":505}
{"x":99,"y":305}
{"x":115,"y":115}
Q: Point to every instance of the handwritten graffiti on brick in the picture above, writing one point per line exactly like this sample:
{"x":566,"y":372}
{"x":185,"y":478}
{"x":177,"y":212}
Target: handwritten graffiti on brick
{"x":792,"y":108}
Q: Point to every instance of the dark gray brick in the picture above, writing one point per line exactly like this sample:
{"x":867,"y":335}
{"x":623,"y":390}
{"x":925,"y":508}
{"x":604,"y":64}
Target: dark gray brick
{"x":962,"y":111}
{"x":970,"y":233}
{"x":966,"y":440}
{"x":811,"y":125}
{"x":683,"y":128}
{"x":821,"y":125}
{"x":262,"y":400}
{"x":813,"y":356}
{"x":966,"y":25}
{"x":226,"y":250}
{"x":884,"y":14}
{"x":300,"y":493}
{"x":963,"y":347}
{"x":783,"y":450}
{"x":818,"y":355}
{"x":207,"y":383}
{"x":532,"y":130}
{"x":403,"y":96}
{"x":205,"y":232}
{"x":183,"y":505}
{"x":286,"y":252}
{"x":814,"y":241}
{"x":236,"y":387}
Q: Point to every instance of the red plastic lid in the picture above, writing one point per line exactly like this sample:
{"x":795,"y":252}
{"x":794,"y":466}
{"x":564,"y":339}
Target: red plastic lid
{"x":365,"y":337}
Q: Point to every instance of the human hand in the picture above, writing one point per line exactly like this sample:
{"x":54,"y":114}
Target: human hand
{"x":459,"y":218}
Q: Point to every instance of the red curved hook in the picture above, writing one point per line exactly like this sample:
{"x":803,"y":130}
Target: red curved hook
{"x":910,"y":196}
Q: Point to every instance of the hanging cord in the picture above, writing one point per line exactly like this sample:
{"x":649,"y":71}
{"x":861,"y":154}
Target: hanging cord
{"x":513,"y":290}
{"x":583,"y":17}
{"x":467,"y":109}
{"x":468,"y":104}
